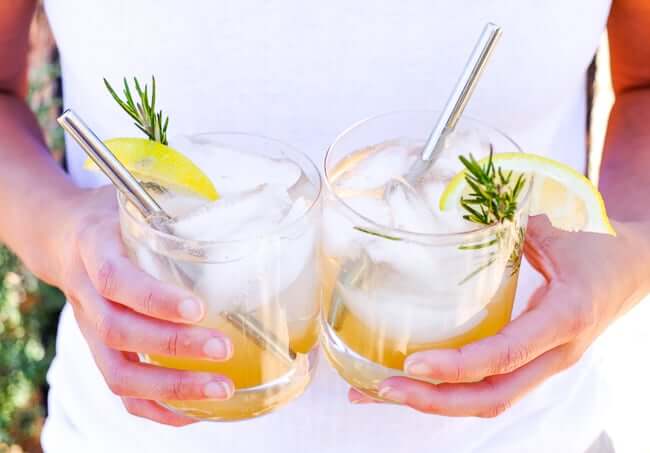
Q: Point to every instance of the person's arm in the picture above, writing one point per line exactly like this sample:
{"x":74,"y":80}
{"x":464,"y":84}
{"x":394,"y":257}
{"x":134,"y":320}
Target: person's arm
{"x":591,"y":279}
{"x":25,"y":159}
{"x":625,"y":170}
{"x":70,"y":238}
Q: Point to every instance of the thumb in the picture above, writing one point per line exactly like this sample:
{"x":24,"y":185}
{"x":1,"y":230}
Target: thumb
{"x":544,"y":245}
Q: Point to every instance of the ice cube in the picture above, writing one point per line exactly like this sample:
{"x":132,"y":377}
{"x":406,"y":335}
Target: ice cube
{"x":236,"y":216}
{"x":340,"y":238}
{"x":237,"y":170}
{"x":406,"y":317}
{"x":376,"y":167}
{"x":408,"y":210}
{"x":420,"y":298}
{"x":257,"y":258}
{"x":264,"y":267}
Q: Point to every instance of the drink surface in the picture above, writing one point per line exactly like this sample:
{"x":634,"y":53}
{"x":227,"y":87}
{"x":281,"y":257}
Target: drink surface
{"x":389,"y":294}
{"x":250,"y":256}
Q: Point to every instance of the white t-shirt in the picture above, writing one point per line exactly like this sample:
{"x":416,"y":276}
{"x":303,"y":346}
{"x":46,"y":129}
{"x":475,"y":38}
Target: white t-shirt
{"x":302,"y":72}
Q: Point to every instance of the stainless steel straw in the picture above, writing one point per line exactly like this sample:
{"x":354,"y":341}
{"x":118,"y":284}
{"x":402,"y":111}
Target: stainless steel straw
{"x":446,"y":123}
{"x":457,"y":101}
{"x":127,"y":184}
{"x":110,"y":165}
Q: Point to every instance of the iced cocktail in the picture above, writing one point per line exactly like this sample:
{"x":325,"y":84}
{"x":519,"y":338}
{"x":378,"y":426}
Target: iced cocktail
{"x":250,"y":256}
{"x":401,"y":274}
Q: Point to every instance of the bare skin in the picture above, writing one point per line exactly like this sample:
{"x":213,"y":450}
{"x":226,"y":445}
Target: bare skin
{"x":579,"y":299}
{"x":84,"y":256}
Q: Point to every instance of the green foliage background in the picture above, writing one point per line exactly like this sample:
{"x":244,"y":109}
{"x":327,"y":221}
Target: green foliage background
{"x":29,"y":308}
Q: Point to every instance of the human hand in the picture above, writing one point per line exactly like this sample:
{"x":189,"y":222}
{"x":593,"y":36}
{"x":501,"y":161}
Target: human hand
{"x":591,"y":279}
{"x":121,"y":310}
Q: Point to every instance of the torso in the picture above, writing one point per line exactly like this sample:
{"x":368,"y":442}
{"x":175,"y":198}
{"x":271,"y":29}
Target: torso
{"x":302,"y":72}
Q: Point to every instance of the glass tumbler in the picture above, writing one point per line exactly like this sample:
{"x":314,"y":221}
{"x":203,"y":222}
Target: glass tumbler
{"x":389,"y":292}
{"x":262,"y":291}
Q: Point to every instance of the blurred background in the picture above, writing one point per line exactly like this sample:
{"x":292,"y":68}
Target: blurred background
{"x":29,"y":308}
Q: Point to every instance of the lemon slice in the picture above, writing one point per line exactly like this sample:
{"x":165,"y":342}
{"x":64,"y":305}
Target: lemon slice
{"x":567,"y":197}
{"x":153,"y":161}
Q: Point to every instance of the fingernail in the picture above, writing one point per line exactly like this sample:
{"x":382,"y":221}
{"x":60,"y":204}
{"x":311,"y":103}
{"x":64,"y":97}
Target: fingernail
{"x":392,"y":394}
{"x":416,"y":368}
{"x":191,"y":310}
{"x":217,"y":390}
{"x":217,"y":348}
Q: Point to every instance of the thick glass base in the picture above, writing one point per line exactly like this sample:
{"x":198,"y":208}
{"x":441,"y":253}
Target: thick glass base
{"x":364,"y":357}
{"x":361,"y":373}
{"x":253,"y":401}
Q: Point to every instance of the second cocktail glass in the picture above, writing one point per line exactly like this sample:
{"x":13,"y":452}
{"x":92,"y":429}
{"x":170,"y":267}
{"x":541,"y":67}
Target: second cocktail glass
{"x":400,"y":275}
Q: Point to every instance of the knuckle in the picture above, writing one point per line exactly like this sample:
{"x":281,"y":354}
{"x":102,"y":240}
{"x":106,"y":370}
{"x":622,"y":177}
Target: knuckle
{"x":428,"y":407}
{"x":85,"y":227}
{"x":179,"y":388}
{"x":105,"y":278}
{"x":116,"y":380}
{"x":131,"y":407}
{"x":512,"y":357}
{"x":147,"y":303}
{"x":109,"y":331}
{"x":457,"y":372}
{"x":173,"y":343}
{"x":571,"y":357}
{"x":581,"y":317}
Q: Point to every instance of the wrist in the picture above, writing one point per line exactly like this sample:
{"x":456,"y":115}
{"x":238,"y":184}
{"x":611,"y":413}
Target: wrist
{"x":635,"y":235}
{"x":48,"y":256}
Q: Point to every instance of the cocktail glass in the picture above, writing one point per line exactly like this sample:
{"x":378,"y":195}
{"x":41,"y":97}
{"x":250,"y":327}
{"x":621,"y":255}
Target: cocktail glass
{"x":260,"y":286}
{"x":399,"y":275}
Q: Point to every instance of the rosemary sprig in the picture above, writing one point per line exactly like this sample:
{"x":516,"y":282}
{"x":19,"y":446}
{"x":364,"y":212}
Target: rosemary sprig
{"x":152,"y":123}
{"x":514,"y":261}
{"x":493,"y":200}
{"x":494,"y":197}
{"x":377,"y":234}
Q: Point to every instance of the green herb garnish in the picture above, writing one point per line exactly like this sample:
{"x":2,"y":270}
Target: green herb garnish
{"x":377,"y":234}
{"x":493,"y":198}
{"x":152,"y":123}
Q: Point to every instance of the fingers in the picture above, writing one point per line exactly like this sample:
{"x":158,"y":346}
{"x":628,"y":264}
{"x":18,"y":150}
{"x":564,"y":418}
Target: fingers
{"x":124,"y":330}
{"x":356,"y":397}
{"x":487,"y":398}
{"x":116,"y":278}
{"x":131,"y":379}
{"x":533,"y":333}
{"x":541,"y":240}
{"x":155,"y":412}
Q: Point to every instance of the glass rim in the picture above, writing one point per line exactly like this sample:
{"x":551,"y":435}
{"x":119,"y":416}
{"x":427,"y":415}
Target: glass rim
{"x":397,"y":233}
{"x":197,"y":243}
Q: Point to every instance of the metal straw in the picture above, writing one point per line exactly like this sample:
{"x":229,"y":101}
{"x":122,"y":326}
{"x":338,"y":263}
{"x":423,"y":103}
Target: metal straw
{"x":435,"y":144}
{"x":126,"y":183}
{"x":457,"y":101}
{"x":110,"y":165}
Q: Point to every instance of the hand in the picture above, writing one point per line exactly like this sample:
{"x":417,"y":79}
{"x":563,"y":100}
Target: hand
{"x":591,"y":279}
{"x":121,"y":311}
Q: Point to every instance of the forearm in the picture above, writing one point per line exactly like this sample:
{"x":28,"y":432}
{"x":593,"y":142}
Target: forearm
{"x":625,"y":179}
{"x":33,"y":189}
{"x":625,"y":170}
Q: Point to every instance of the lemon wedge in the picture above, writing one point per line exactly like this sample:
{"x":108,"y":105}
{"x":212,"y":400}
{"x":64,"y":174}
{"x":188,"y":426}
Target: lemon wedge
{"x":567,"y":197}
{"x":153,"y":161}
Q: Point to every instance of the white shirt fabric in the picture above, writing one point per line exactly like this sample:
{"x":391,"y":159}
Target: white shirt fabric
{"x":302,"y":72}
